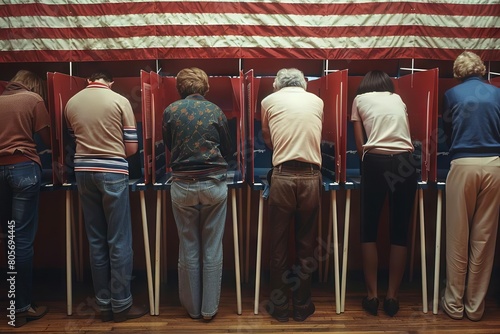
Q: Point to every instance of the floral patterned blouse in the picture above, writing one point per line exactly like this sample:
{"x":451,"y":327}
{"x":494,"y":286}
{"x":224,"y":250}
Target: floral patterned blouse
{"x":196,"y":133}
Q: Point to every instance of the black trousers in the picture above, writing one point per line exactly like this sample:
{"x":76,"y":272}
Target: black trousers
{"x":394,"y":176}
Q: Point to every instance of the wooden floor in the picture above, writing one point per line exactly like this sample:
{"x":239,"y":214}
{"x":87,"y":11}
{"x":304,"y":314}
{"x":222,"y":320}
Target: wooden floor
{"x":173,"y":319}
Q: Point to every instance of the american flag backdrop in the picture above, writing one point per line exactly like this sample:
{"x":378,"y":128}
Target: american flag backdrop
{"x":86,"y":30}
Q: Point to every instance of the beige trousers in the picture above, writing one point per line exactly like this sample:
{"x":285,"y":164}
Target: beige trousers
{"x":472,"y":212}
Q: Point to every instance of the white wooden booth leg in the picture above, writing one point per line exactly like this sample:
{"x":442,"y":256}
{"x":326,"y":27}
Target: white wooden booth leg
{"x":422,"y":250}
{"x":147,"y":252}
{"x":236,"y":251}
{"x":258,"y":259}
{"x":157,"y":252}
{"x":335,"y":249}
{"x":247,"y":241}
{"x":437,"y":258}
{"x":69,"y":287}
{"x":345,"y":248}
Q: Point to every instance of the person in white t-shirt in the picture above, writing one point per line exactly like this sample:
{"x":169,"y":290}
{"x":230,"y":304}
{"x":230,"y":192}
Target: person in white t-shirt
{"x":382,"y":135}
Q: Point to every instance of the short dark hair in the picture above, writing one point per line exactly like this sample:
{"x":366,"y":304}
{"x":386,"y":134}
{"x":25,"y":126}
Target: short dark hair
{"x":105,"y":75}
{"x":376,"y":81}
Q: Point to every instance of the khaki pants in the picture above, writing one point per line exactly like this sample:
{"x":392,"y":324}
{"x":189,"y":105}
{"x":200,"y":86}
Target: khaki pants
{"x":472,"y":211}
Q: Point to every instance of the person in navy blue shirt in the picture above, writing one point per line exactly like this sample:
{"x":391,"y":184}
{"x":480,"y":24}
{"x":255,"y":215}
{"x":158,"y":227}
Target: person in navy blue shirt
{"x":471,"y":118}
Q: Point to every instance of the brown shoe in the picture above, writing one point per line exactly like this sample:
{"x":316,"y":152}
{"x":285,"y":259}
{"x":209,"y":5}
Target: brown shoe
{"x":132,"y":312}
{"x":301,"y":313}
{"x":33,"y":313}
{"x":278,"y":312}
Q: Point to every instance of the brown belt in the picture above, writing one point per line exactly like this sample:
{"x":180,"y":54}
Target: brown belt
{"x":299,"y":164}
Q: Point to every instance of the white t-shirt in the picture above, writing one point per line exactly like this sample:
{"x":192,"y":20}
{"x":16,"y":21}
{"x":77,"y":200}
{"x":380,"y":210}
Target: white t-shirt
{"x":295,"y":119}
{"x":385,"y":122}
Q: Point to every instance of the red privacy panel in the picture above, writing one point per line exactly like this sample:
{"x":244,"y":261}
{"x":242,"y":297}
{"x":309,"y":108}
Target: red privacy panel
{"x":419,"y":93}
{"x":227,"y":93}
{"x":332,"y":89}
{"x":147,"y":131}
{"x":163,"y":92}
{"x":259,"y":155}
{"x":63,"y":87}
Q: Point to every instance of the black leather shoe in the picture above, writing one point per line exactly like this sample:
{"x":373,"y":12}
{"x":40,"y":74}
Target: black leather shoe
{"x":33,"y":313}
{"x":301,"y":313}
{"x":106,"y":315}
{"x":391,"y":307}
{"x":370,"y":305}
{"x":133,"y":312}
{"x":279,"y":313}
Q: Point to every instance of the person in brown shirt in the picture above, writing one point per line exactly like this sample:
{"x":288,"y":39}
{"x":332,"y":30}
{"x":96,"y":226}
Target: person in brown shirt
{"x":23,"y":113}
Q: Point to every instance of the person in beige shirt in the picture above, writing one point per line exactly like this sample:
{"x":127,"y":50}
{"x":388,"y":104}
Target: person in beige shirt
{"x":103,"y":125}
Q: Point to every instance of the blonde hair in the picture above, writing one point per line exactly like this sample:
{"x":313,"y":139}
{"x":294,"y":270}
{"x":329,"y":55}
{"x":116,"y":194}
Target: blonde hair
{"x":468,"y":64}
{"x":32,"y":81}
{"x":192,"y":81}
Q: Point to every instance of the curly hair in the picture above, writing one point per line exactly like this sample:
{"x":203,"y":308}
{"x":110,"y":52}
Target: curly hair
{"x":289,"y":77}
{"x":192,"y":81}
{"x":468,"y":64}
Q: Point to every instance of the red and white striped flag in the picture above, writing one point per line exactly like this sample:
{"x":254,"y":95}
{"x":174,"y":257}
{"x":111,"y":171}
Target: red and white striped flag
{"x":83,"y":30}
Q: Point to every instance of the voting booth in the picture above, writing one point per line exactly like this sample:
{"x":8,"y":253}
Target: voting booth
{"x":61,"y":88}
{"x":227,"y":93}
{"x":419,"y":92}
{"x":332,"y":89}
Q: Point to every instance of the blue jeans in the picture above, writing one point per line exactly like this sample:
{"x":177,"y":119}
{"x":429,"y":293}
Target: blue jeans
{"x":199,"y":209}
{"x":106,"y":209}
{"x":19,"y":194}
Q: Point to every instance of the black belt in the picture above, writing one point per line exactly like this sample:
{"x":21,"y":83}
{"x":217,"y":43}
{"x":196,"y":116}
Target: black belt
{"x":299,"y":164}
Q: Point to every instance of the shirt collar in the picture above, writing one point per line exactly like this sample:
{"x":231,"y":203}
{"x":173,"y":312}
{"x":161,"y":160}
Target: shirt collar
{"x":474,"y":77}
{"x":15,"y":86}
{"x":96,"y":84}
{"x":195,"y":97}
{"x":293,"y":88}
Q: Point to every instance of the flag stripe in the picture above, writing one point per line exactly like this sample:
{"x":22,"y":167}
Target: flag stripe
{"x":62,"y":30}
{"x":207,"y":7}
{"x":187,"y":19}
{"x":230,"y":30}
{"x":250,"y":41}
